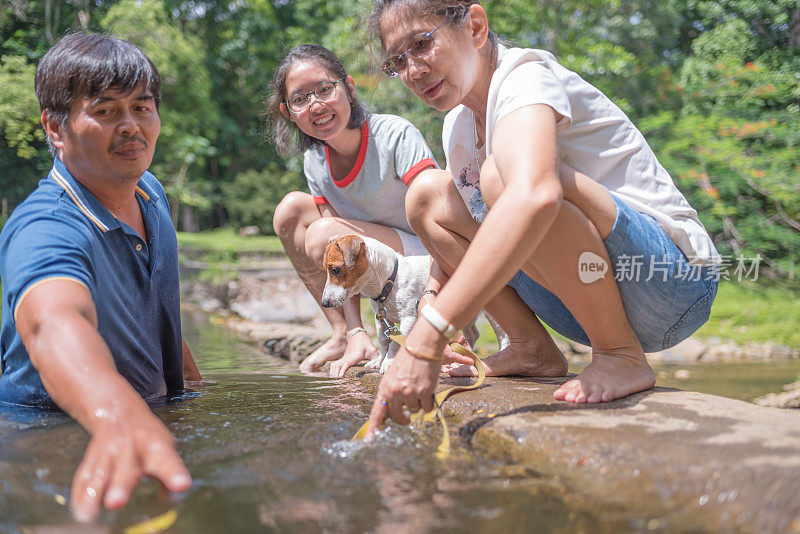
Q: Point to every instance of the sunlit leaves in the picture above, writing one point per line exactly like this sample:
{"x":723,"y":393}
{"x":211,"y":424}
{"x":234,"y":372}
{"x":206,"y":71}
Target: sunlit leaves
{"x":19,"y":109}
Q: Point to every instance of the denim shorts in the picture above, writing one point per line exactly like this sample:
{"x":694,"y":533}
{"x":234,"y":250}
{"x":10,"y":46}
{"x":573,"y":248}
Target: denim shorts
{"x":666,"y":299}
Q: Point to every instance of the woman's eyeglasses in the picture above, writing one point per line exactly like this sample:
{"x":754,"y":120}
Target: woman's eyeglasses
{"x":420,"y":47}
{"x":324,"y":92}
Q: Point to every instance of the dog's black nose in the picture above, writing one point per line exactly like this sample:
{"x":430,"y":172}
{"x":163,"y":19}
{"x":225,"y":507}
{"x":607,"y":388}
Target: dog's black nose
{"x":326,"y":303}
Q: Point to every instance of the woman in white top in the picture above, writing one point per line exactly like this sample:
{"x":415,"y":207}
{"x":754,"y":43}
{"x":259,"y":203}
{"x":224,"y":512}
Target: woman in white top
{"x":358,"y":167}
{"x":612,"y":256}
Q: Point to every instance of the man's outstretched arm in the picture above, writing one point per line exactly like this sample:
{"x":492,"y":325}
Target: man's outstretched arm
{"x":57,"y":322}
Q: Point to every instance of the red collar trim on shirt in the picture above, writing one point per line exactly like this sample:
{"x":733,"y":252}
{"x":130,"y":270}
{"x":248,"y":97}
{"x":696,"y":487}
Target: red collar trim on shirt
{"x":362,"y":152}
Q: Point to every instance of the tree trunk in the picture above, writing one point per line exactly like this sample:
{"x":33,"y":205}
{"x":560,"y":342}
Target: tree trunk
{"x":176,"y":201}
{"x":794,"y":29}
{"x":48,"y":24}
{"x":189,"y":222}
{"x":83,"y":16}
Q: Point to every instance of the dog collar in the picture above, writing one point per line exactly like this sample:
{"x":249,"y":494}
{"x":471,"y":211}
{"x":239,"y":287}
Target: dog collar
{"x":388,"y":286}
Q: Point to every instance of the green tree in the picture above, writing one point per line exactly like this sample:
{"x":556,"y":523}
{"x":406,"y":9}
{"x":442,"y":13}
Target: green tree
{"x":735,"y":145}
{"x":28,"y":28}
{"x":717,"y":101}
{"x":628,"y":49}
{"x":19,"y":109}
{"x":252,"y":196}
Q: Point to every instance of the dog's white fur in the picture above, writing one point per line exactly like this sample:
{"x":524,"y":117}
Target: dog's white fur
{"x":401,"y":304}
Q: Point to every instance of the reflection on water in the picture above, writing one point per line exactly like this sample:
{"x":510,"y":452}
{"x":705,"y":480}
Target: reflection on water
{"x":740,"y":380}
{"x":737,"y":380}
{"x":269,"y":451}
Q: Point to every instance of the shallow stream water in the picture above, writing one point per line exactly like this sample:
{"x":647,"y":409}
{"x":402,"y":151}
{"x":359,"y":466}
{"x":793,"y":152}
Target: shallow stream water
{"x":269,"y":451}
{"x":739,"y":379}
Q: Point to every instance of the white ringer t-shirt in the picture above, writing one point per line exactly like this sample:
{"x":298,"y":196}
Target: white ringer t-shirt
{"x":392,"y":153}
{"x":594,"y":136}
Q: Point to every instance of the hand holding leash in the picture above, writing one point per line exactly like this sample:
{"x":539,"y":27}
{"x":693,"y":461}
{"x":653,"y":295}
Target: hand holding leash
{"x":453,"y":357}
{"x":410,"y":381}
{"x":444,"y":447}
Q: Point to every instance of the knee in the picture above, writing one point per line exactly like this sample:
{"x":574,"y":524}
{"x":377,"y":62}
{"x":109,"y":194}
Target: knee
{"x":289,"y":212}
{"x":424,"y":194}
{"x":318,"y":235}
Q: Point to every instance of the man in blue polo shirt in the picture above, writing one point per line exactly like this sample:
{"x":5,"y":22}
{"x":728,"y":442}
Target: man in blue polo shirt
{"x":89,"y":267}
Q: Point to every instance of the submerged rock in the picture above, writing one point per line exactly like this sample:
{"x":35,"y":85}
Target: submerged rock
{"x":789,"y":398}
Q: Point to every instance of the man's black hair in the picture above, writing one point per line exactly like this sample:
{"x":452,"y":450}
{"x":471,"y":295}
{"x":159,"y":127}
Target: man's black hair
{"x":86,"y":65}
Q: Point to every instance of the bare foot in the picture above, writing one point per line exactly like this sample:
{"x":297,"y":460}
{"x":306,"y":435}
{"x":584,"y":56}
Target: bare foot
{"x":610,"y":376}
{"x":530,"y":358}
{"x":333,"y":349}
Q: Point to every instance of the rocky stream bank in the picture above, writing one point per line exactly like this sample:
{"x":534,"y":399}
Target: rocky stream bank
{"x":269,"y":305}
{"x":689,"y":461}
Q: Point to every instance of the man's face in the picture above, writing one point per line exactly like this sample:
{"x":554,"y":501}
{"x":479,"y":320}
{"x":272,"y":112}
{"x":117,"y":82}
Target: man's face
{"x":111,"y":136}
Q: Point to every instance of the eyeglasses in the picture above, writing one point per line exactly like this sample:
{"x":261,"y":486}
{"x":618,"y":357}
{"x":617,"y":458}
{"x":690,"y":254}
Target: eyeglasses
{"x":421,"y":46}
{"x":324,"y":92}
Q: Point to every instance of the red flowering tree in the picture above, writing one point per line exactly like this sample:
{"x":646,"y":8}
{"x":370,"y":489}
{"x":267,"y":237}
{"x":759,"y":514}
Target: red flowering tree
{"x":737,"y":137}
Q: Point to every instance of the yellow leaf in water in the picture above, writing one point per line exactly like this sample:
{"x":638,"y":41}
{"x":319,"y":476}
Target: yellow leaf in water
{"x":156,"y":524}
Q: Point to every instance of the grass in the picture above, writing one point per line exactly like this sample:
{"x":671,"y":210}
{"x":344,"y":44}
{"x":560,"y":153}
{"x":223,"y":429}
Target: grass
{"x":223,"y":250}
{"x":226,"y":240}
{"x":755,"y":311}
{"x":748,"y":312}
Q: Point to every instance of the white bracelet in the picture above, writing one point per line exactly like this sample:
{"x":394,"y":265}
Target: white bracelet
{"x":353,"y":332}
{"x":449,"y":331}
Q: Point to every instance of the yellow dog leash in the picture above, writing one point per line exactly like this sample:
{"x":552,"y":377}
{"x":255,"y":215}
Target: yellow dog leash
{"x":439,"y":398}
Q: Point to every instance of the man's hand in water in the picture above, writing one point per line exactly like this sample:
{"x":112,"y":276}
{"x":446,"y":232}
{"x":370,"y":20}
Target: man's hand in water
{"x":57,"y":322}
{"x":117,"y":457}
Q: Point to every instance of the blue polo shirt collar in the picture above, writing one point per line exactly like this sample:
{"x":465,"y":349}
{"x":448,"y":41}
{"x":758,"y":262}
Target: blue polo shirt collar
{"x":92,"y":208}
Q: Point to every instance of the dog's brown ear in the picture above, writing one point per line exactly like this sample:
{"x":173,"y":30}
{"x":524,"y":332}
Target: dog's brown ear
{"x":352,"y":250}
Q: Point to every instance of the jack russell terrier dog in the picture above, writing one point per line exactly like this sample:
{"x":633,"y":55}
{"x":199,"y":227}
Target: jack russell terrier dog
{"x":362,"y":265}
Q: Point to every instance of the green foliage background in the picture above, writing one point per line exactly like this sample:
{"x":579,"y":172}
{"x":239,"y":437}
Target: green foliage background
{"x":715,"y":86}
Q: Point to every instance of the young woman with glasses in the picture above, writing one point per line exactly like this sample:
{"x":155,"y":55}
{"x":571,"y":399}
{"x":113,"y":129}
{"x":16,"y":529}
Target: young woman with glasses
{"x":521,"y":232}
{"x":358,"y":166}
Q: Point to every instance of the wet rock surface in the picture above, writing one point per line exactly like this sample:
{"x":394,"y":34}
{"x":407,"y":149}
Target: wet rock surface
{"x":721,"y":464}
{"x":788,"y":398}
